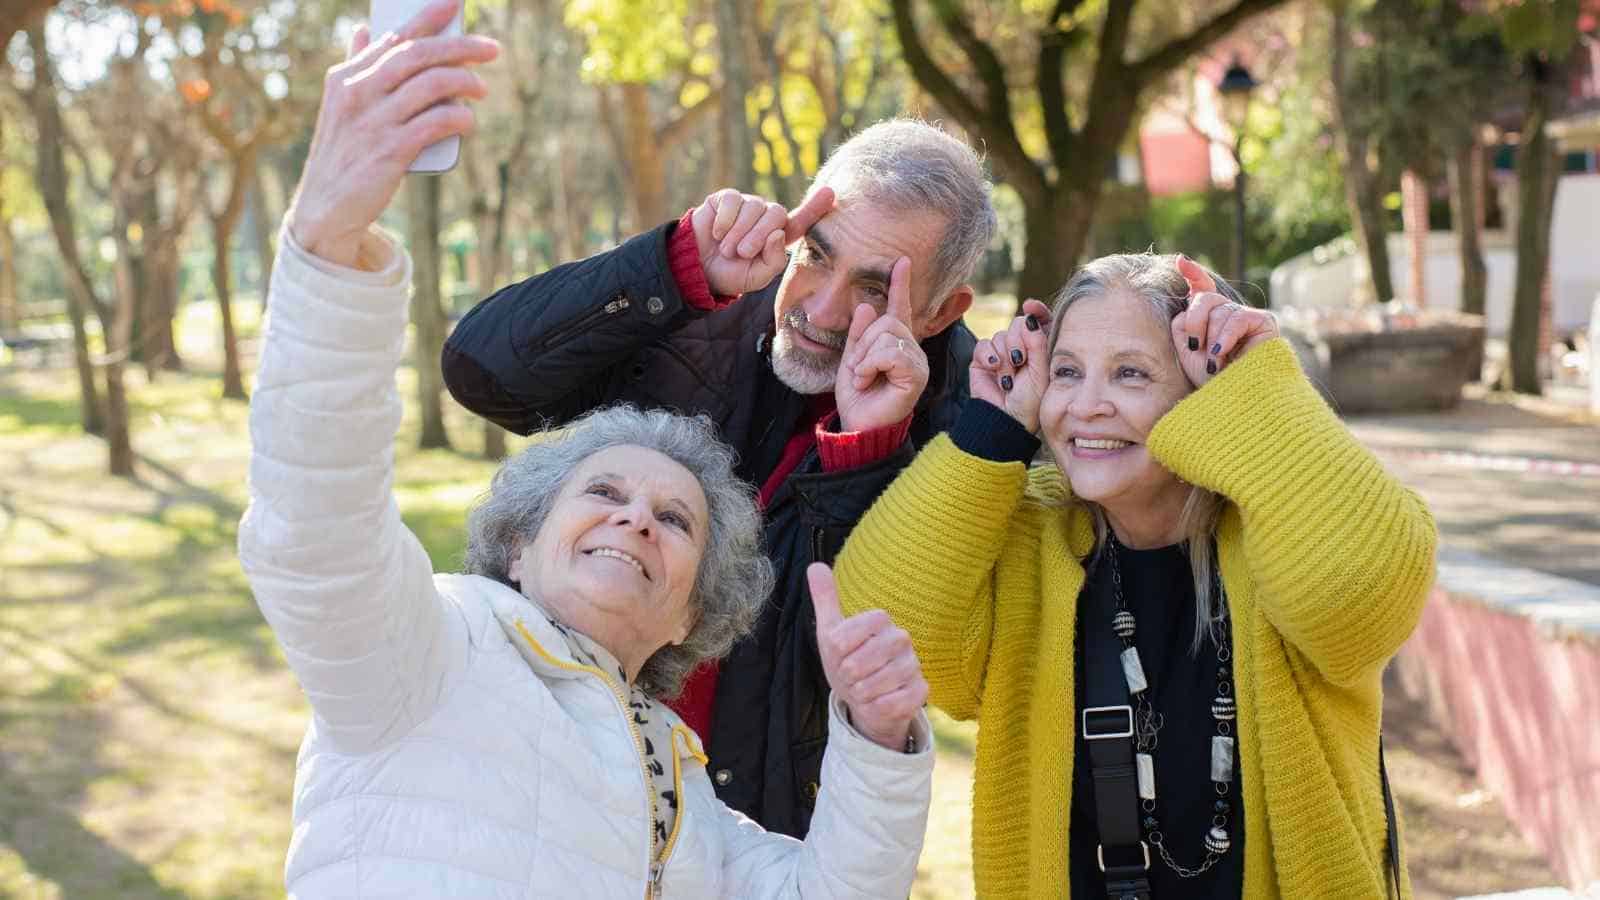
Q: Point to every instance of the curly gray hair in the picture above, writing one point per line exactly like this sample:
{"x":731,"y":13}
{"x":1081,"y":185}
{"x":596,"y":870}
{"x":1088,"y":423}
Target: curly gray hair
{"x":734,"y":577}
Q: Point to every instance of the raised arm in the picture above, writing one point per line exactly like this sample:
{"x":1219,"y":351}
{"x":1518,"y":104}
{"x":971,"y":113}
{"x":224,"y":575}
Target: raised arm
{"x":554,"y":346}
{"x":1341,"y":553}
{"x":346,"y":588}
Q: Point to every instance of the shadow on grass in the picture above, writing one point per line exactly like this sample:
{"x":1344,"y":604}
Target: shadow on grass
{"x":19,"y":412}
{"x":56,"y":846}
{"x":36,"y":822}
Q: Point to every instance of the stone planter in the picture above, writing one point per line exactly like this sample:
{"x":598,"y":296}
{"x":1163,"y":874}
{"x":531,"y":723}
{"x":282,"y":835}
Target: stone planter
{"x":1420,"y":366}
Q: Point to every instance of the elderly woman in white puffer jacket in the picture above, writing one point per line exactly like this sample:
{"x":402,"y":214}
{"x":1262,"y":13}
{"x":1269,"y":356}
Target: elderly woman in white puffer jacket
{"x":497,"y":733}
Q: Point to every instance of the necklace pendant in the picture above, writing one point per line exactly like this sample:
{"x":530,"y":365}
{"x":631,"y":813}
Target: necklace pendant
{"x":1222,"y":709}
{"x":1221,"y":759}
{"x":1146,"y":765}
{"x":1122,"y":623}
{"x":1133,"y":671}
{"x":1217,"y":841}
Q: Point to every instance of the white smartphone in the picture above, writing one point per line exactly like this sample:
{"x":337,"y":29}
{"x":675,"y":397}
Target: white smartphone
{"x":391,"y":15}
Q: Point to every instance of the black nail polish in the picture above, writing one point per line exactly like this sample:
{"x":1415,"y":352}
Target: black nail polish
{"x":1006,"y":382}
{"x":994,"y":360}
{"x":1194,"y":343}
{"x":1216,"y":349}
{"x":1031,"y":322}
{"x":1211,"y":367}
{"x":1016,"y":357}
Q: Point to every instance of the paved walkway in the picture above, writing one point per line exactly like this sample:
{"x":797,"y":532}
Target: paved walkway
{"x":1513,"y":481}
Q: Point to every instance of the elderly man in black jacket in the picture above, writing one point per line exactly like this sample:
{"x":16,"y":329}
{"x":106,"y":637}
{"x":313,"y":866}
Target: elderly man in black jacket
{"x":826,"y":368}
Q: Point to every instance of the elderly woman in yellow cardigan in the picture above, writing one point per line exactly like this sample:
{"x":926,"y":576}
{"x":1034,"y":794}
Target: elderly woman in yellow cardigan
{"x":1173,"y":637}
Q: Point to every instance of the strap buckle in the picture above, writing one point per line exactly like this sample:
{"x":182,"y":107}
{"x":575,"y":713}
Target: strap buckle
{"x":1100,"y":855}
{"x":1108,"y":722}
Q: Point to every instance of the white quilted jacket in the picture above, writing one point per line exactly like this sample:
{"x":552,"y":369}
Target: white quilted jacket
{"x":455,"y":748}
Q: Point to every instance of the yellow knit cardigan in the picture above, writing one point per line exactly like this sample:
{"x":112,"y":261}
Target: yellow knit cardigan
{"x":1326,"y":561}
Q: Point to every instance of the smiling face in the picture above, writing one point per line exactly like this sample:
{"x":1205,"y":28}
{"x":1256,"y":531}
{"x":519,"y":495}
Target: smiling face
{"x":1113,"y":375}
{"x":842,"y":262}
{"x":619,"y":552}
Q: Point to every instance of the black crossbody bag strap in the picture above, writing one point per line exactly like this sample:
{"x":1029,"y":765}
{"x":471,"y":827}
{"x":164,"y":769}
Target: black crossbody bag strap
{"x":1392,"y":837}
{"x":1107,"y":724}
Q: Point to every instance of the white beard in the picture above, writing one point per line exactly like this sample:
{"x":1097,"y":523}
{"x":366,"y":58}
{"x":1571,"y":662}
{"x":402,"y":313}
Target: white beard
{"x":802,"y":370}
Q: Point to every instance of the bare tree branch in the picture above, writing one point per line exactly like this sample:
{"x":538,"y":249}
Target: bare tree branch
{"x":998,"y":132}
{"x":1168,"y":57}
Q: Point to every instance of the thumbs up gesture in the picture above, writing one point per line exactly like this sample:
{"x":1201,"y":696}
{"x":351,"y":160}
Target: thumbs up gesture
{"x":869,"y":663}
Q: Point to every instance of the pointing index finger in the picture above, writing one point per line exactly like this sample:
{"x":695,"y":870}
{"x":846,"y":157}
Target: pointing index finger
{"x":900,"y":290}
{"x":1200,"y":281}
{"x":808,"y":213}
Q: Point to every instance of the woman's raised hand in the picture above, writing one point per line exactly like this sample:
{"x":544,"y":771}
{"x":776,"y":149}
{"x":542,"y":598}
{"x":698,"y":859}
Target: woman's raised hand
{"x":870,"y":664}
{"x":1012,"y":369}
{"x":1214,"y":331}
{"x":380,"y":108}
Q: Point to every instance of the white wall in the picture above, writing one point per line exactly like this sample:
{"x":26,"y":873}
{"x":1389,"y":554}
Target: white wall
{"x":1574,"y":266}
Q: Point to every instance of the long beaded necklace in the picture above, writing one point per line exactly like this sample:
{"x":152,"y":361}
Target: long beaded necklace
{"x":1147,"y":725}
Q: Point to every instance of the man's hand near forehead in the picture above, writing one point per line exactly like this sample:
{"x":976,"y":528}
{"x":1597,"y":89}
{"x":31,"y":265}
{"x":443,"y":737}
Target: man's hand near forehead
{"x":741,"y":238}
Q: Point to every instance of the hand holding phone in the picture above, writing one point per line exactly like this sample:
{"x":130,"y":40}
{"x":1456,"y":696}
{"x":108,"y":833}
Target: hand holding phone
{"x":381,"y":107}
{"x":392,"y":15}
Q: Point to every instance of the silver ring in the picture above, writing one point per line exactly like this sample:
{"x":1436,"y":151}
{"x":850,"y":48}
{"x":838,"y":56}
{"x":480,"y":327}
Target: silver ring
{"x":900,"y":344}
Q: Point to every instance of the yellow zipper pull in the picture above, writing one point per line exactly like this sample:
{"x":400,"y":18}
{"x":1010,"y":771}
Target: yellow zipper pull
{"x":656,"y":871}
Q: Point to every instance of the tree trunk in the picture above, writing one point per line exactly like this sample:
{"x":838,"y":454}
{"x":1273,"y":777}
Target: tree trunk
{"x":1360,"y":184}
{"x":223,"y":225}
{"x":1466,"y":214}
{"x":737,"y":143}
{"x":118,"y":332}
{"x":1537,"y":171}
{"x":263,"y":221}
{"x":1414,"y":209}
{"x":427,"y":311}
{"x":648,"y":170}
{"x":10,"y":314}
{"x":50,"y":175}
{"x":1055,"y":230}
{"x":161,"y":267}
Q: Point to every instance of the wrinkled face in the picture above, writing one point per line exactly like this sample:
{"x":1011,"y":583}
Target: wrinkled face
{"x":842,"y":262}
{"x":1113,"y":375}
{"x":618,"y":554}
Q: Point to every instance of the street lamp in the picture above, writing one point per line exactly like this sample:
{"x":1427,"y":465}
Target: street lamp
{"x":1235,"y":88}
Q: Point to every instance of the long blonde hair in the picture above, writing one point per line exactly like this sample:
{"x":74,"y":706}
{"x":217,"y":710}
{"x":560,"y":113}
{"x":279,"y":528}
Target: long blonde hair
{"x":1155,"y":279}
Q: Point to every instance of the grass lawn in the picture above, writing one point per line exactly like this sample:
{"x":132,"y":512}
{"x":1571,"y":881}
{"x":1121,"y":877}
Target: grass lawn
{"x":148,"y":725}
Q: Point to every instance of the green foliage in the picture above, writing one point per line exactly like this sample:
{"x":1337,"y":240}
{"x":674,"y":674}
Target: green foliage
{"x":1545,"y":27}
{"x":634,"y":40}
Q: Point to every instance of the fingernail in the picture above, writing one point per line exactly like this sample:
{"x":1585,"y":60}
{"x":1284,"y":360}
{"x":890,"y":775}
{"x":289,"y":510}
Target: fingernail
{"x":1216,"y":349}
{"x":1016,"y":357}
{"x":1032,"y":323}
{"x":1006,"y":382}
{"x":1194,"y":343}
{"x":994,"y":360}
{"x":1211,"y":367}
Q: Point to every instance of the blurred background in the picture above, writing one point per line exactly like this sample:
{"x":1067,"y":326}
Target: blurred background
{"x":1413,"y":184}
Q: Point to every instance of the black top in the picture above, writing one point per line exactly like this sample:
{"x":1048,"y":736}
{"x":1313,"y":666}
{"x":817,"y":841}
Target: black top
{"x":1158,"y":588}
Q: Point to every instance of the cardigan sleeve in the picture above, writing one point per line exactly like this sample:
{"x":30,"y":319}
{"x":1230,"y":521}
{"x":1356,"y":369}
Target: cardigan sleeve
{"x":346,"y":587}
{"x":1341,"y":554}
{"x":926,"y":553}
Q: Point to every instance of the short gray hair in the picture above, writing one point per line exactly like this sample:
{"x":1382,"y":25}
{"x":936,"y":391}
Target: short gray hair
{"x":1155,"y":279}
{"x":734,"y":576}
{"x":910,"y":165}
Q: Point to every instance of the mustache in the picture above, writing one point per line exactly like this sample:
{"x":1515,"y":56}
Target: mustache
{"x":796,"y":318}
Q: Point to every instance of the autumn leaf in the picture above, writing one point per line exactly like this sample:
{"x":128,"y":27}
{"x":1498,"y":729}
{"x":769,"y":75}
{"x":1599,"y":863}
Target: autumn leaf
{"x":195,"y":90}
